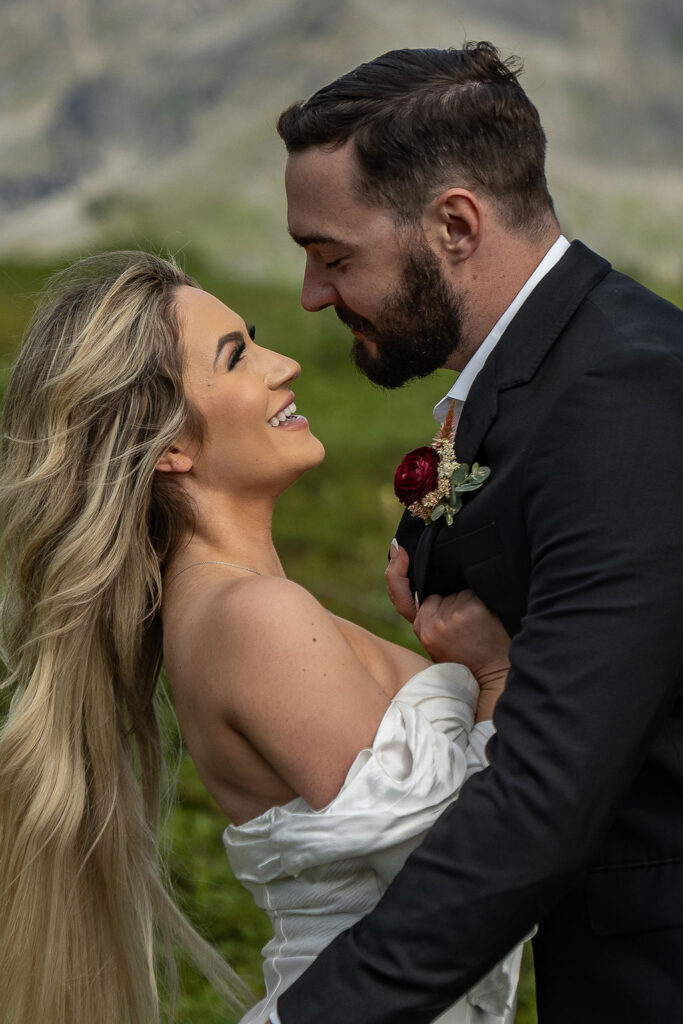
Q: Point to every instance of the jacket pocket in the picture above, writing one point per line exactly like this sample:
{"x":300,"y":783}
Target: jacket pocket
{"x":475,"y":560}
{"x":635,"y":897}
{"x":469,"y":548}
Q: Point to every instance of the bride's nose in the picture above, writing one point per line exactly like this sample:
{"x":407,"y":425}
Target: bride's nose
{"x":280,"y":370}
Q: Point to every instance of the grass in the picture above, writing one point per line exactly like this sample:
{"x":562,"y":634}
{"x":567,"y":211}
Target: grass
{"x":333,"y":530}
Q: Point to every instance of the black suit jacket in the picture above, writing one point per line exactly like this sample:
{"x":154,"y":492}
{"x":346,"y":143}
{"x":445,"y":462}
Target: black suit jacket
{"x":576,"y":541}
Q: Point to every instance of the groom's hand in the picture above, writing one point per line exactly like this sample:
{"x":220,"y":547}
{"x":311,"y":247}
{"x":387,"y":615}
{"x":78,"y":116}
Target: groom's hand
{"x":398,"y":583}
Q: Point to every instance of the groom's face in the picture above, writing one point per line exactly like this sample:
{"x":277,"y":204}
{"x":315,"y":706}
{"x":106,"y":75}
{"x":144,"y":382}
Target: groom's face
{"x":384,"y":282}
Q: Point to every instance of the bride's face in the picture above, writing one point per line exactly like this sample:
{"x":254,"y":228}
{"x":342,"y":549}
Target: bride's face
{"x":252,"y":442}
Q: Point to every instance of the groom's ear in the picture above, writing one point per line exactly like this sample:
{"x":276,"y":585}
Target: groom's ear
{"x":453,"y":223}
{"x":175,"y":460}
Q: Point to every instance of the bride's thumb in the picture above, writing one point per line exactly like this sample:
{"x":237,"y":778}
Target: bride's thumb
{"x":398,"y":583}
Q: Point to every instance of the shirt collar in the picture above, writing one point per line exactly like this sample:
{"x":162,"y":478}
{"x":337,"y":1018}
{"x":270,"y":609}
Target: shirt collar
{"x":465,"y":379}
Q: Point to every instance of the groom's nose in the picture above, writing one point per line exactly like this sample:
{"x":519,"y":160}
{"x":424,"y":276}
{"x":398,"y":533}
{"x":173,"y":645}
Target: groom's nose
{"x":317,"y":292}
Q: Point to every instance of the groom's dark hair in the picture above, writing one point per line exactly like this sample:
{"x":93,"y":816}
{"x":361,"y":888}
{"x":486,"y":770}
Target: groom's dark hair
{"x":425,"y":120}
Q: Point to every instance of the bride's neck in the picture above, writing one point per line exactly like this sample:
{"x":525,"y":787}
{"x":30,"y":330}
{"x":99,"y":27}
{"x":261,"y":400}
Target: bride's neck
{"x":228,"y":531}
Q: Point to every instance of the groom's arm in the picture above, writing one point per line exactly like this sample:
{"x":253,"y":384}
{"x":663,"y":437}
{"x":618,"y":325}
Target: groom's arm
{"x":594,"y":672}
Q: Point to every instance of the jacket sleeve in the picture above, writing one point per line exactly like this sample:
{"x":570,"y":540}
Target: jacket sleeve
{"x":595,"y":669}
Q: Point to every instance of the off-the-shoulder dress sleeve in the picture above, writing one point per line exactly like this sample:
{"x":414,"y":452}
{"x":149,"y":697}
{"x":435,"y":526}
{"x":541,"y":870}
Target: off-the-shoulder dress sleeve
{"x":315,"y":871}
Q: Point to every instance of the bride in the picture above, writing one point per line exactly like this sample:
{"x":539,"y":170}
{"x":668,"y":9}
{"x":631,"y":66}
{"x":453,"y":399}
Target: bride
{"x":146,"y":439}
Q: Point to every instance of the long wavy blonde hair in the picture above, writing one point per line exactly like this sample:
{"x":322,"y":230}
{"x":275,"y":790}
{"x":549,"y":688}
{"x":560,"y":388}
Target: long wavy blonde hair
{"x":87,"y":925}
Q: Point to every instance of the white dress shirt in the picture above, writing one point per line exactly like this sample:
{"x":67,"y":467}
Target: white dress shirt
{"x":465,"y":379}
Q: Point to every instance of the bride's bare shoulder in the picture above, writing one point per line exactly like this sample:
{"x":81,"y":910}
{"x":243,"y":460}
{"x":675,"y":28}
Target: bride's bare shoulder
{"x":265,"y":657}
{"x":256,"y":619}
{"x":262,"y":600}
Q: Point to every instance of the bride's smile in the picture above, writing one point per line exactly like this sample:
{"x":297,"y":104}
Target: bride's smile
{"x":288,"y":417}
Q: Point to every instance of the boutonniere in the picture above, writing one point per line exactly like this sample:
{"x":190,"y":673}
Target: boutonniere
{"x":430,"y":481}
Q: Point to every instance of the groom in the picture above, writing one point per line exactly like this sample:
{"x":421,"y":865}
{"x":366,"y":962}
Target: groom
{"x":416,"y":186}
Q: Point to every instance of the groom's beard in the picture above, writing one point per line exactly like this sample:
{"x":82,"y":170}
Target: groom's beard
{"x":416,"y":330}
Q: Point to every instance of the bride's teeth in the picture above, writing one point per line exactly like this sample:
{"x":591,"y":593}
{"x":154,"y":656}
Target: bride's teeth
{"x":290,"y":410}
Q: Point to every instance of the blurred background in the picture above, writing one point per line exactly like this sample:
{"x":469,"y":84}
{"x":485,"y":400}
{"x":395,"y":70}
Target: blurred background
{"x":154,"y":121}
{"x":151,"y":125}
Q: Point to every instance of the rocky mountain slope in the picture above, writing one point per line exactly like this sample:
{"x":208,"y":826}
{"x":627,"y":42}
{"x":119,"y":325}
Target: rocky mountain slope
{"x":154,"y":122}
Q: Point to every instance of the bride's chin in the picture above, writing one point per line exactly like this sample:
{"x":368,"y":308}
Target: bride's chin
{"x":314,"y":456}
{"x":320,"y":455}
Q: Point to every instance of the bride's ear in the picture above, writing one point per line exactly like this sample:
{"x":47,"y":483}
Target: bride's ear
{"x":174,"y":460}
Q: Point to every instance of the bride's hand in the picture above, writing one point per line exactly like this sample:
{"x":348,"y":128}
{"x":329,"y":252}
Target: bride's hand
{"x":398,"y":583}
{"x":458,"y":628}
{"x":461,"y":628}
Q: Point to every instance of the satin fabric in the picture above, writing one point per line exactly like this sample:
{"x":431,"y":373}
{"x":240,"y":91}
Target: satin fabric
{"x":316,"y":872}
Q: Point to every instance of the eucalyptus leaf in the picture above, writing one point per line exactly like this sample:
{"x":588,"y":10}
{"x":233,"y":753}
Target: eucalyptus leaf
{"x":480,"y":473}
{"x":438,"y":512}
{"x":456,"y":504}
{"x":471,"y":485}
{"x":460,"y":474}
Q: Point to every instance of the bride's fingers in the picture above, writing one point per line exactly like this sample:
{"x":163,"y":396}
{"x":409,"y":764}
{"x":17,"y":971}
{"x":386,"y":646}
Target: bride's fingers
{"x":398,"y":584}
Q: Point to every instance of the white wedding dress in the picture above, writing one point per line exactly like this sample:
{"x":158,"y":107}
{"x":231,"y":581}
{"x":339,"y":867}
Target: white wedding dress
{"x":317,"y":872}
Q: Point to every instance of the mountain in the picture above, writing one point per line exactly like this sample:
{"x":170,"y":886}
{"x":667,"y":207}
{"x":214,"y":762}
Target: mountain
{"x":154,"y":123}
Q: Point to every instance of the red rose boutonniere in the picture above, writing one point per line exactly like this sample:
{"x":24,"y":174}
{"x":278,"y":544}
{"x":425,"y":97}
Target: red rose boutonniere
{"x":431,"y":482}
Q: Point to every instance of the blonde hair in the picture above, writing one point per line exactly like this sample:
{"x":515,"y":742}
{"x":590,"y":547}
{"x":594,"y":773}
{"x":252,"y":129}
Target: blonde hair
{"x":95,"y":398}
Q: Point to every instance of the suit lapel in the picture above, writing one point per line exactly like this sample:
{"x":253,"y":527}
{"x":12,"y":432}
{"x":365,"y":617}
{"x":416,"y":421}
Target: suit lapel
{"x":421,"y":559}
{"x":478,"y":414}
{"x":513,"y":362}
{"x":527,"y":341}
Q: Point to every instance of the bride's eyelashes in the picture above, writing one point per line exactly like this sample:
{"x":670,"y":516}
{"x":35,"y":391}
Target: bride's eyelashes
{"x":236,"y":354}
{"x":240,"y":346}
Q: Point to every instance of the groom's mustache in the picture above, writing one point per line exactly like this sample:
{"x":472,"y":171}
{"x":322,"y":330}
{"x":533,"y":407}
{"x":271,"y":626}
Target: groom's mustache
{"x":354,"y":321}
